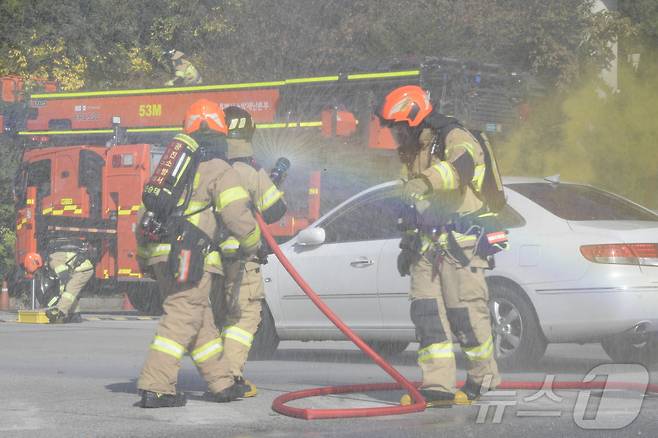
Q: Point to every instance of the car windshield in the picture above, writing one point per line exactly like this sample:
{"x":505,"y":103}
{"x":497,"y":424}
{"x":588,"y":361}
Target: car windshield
{"x":582,"y":203}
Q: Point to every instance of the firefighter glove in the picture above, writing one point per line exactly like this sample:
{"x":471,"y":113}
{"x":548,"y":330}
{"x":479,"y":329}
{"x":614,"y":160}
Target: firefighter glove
{"x":405,"y":259}
{"x":415,"y":190}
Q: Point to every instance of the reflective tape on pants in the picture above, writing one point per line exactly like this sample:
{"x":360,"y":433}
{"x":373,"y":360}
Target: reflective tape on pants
{"x":238,"y":335}
{"x":207,"y":350}
{"x":482,"y":352}
{"x":168,"y":346}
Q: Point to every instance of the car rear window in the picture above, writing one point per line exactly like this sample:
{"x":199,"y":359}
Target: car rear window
{"x":582,"y":203}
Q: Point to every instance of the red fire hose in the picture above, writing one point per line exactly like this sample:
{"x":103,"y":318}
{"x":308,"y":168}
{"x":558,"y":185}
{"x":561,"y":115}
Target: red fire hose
{"x":419,"y":404}
{"x":309,"y":414}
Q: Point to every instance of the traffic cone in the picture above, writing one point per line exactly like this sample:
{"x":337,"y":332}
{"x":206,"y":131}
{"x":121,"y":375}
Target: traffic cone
{"x":126,"y":303}
{"x":4,"y":296}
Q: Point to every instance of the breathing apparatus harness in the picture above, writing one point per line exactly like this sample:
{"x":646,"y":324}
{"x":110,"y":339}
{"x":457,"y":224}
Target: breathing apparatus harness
{"x":166,"y":219}
{"x":490,"y":236}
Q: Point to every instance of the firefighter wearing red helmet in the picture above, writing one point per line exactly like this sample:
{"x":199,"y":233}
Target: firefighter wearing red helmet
{"x":217,"y":201}
{"x":445,"y":167}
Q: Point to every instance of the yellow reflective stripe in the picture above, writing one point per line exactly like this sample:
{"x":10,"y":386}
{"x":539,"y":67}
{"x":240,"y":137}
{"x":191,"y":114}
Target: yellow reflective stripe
{"x":85,"y":266}
{"x":68,"y":296}
{"x":182,"y":168}
{"x":482,"y":352}
{"x":207,"y":350}
{"x":393,"y":74}
{"x":425,"y":243}
{"x":239,"y":335}
{"x":230,"y":245}
{"x":230,"y":195}
{"x":167,"y":346}
{"x":61,"y":268}
{"x":191,"y":208}
{"x":269,"y":198}
{"x":160,"y":249}
{"x":478,"y":176}
{"x":197,"y":180}
{"x":309,"y":80}
{"x":442,"y":350}
{"x":468,"y":147}
{"x":252,"y":238}
{"x":189,"y":141}
{"x":167,"y":90}
{"x":213,"y":259}
{"x":464,"y":237}
{"x":447,"y":175}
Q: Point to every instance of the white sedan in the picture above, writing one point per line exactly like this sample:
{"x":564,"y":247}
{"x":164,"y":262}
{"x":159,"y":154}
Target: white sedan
{"x":583,"y":267}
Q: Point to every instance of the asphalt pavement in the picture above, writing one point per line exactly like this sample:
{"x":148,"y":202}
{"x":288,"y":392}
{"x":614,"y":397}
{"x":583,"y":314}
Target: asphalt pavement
{"x":78,"y":380}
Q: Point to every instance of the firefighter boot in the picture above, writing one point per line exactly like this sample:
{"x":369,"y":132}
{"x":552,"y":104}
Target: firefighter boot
{"x":74,"y":318}
{"x":433,"y":398}
{"x":226,"y":395}
{"x":55,"y":316}
{"x":468,"y":393}
{"x":247,"y":387}
{"x":152,"y":399}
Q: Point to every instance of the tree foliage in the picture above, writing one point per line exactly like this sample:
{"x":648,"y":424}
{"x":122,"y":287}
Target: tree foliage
{"x":120,"y":43}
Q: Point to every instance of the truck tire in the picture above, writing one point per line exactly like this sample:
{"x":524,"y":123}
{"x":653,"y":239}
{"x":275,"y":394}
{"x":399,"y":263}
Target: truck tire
{"x":266,"y":341}
{"x":622,"y":349}
{"x":518,"y":339}
{"x":146,"y":299}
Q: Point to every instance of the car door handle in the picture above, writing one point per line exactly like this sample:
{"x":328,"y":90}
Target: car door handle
{"x":362,"y":263}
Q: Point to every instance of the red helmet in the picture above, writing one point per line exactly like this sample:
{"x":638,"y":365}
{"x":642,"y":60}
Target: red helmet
{"x":409,"y":104}
{"x":32,"y":262}
{"x":205,"y":113}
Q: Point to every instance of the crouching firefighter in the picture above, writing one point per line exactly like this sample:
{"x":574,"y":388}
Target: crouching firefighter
{"x":453,"y":192}
{"x":71,"y":260}
{"x":238,"y":306}
{"x":192,"y":190}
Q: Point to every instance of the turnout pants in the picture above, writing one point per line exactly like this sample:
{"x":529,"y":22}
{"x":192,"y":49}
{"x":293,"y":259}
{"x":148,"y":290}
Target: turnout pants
{"x":242,"y":318}
{"x":447,"y":299}
{"x":69,"y":292}
{"x":187,"y":325}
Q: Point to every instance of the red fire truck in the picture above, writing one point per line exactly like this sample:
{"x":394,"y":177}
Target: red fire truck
{"x":89,"y":153}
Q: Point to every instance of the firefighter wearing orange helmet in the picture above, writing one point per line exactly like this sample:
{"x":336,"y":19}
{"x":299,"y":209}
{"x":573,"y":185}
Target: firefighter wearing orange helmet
{"x":239,"y":312}
{"x":213,"y":200}
{"x":445,"y":167}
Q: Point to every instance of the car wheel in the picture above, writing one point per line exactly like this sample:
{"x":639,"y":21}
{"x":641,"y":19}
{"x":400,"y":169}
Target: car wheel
{"x":518,"y":340}
{"x":623,"y":349}
{"x":388,"y":348}
{"x":146,"y":298}
{"x":266,"y":340}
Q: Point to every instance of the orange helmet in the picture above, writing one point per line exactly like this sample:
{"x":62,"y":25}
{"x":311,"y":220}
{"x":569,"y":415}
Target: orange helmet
{"x":409,"y":104}
{"x":32,"y":262}
{"x":205,"y":113}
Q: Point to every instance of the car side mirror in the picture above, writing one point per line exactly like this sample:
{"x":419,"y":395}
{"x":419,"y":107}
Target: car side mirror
{"x":311,"y":236}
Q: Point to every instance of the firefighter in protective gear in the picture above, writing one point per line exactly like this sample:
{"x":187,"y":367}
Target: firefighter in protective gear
{"x":217,"y":201}
{"x":70,"y":260}
{"x":185,"y":72}
{"x":445,"y":168}
{"x":243,"y":292}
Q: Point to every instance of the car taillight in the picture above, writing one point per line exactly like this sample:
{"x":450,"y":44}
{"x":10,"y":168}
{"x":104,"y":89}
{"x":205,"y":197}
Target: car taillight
{"x":622,"y":253}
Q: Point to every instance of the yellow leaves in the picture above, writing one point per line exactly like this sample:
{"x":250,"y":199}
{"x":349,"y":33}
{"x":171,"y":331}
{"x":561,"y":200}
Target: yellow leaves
{"x":138,"y":61}
{"x":48,"y":60}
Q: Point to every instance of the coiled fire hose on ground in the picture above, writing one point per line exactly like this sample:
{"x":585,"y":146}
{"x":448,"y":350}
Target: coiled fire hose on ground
{"x":418,"y":402}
